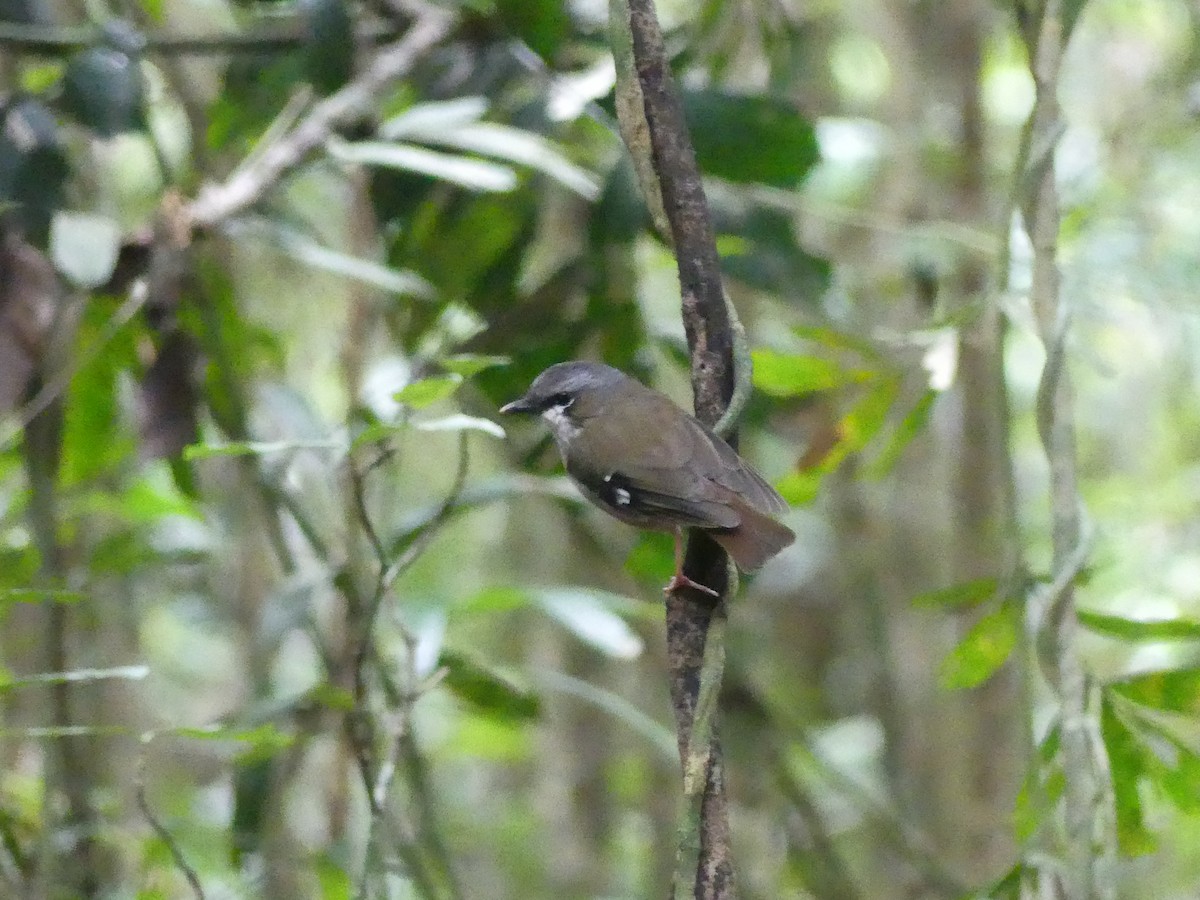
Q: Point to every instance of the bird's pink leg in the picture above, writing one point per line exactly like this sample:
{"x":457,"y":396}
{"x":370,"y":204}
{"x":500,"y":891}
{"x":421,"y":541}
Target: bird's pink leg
{"x":679,"y":580}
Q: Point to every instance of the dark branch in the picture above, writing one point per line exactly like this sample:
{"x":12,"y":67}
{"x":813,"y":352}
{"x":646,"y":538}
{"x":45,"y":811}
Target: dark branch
{"x":60,"y":40}
{"x":690,"y":615}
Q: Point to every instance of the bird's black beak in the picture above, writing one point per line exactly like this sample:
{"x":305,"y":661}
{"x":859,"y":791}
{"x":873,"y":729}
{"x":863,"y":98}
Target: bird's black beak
{"x":520,"y":405}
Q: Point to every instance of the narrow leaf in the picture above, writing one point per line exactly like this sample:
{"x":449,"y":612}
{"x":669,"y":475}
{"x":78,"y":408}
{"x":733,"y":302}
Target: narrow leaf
{"x":870,"y":414}
{"x":38,"y":595}
{"x":497,"y":598}
{"x":256,"y":448}
{"x":441,"y":115}
{"x":521,"y":147}
{"x":800,"y":488}
{"x":428,"y":391}
{"x":1140,"y":630}
{"x":470,"y":364}
{"x":311,"y":253}
{"x":959,"y":596}
{"x":585,"y":615}
{"x":910,"y":426}
{"x":487,"y":689}
{"x":984,"y":649}
{"x":1173,"y":690}
{"x":473,"y":174}
{"x":795,"y":374}
{"x":1127,"y":762}
{"x":460,"y":422}
{"x":75,"y":676}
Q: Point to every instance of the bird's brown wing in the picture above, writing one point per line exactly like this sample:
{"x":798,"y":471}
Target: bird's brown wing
{"x":676,"y":469}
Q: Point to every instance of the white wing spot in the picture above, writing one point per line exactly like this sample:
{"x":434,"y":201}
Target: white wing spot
{"x":623,"y":497}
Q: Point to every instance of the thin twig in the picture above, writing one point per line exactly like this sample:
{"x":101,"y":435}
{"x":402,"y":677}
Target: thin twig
{"x":377,"y":777}
{"x":164,"y":835}
{"x":218,"y":202}
{"x":60,"y":40}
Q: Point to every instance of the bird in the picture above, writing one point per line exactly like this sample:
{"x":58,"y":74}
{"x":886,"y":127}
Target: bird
{"x":644,"y":460}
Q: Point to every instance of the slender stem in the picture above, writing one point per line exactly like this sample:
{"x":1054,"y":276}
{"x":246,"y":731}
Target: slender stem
{"x":1046,"y":38}
{"x":163,"y":834}
{"x":720,"y":374}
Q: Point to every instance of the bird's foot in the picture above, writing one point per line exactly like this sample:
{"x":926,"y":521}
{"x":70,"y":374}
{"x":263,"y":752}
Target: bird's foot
{"x":679,"y":581}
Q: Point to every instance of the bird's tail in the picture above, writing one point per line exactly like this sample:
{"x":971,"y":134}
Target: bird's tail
{"x":755,"y":540}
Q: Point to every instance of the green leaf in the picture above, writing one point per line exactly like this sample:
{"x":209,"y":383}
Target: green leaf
{"x":959,"y":596}
{"x":427,"y":391}
{"x":867,"y":417}
{"x":38,"y":595}
{"x":461,"y":422}
{"x":910,"y":426}
{"x":585,"y":614}
{"x":750,"y":139}
{"x":517,"y":146}
{"x":328,"y":43}
{"x":652,"y":557}
{"x":1008,"y":887}
{"x":836,"y":340}
{"x":334,"y":882}
{"x":84,"y":247}
{"x":145,"y":501}
{"x":330,"y":697}
{"x":984,"y":649}
{"x":1181,"y":782}
{"x":1127,"y":763}
{"x":1034,"y":804}
{"x":470,"y":364}
{"x":795,"y":374}
{"x":256,"y":448}
{"x":487,"y":689}
{"x":95,"y":440}
{"x":494,"y":599}
{"x":1140,"y":630}
{"x":542,"y":24}
{"x":262,"y":741}
{"x":759,"y":247}
{"x":33,"y":165}
{"x":801,"y":488}
{"x":434,"y":116}
{"x":1028,"y":815}
{"x":473,"y":174}
{"x":396,"y":281}
{"x":1173,"y":690}
{"x":103,"y":88}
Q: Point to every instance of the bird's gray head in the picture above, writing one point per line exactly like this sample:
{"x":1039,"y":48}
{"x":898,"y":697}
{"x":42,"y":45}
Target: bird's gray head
{"x":564,"y":384}
{"x":567,"y":392}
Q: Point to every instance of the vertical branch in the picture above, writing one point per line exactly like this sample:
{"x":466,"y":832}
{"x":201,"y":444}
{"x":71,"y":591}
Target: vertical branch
{"x":1046,"y":38}
{"x":694,"y":624}
{"x":75,"y":869}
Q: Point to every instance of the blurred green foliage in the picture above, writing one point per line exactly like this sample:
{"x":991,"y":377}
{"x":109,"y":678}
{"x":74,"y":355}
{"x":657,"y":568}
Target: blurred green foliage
{"x":232,"y":476}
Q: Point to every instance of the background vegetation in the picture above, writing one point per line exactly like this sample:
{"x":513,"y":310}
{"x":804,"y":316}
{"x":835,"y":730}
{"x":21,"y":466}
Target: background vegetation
{"x":287,"y":614}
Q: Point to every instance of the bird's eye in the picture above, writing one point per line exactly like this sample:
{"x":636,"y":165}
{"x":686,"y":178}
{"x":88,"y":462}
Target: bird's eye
{"x":561,"y":399}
